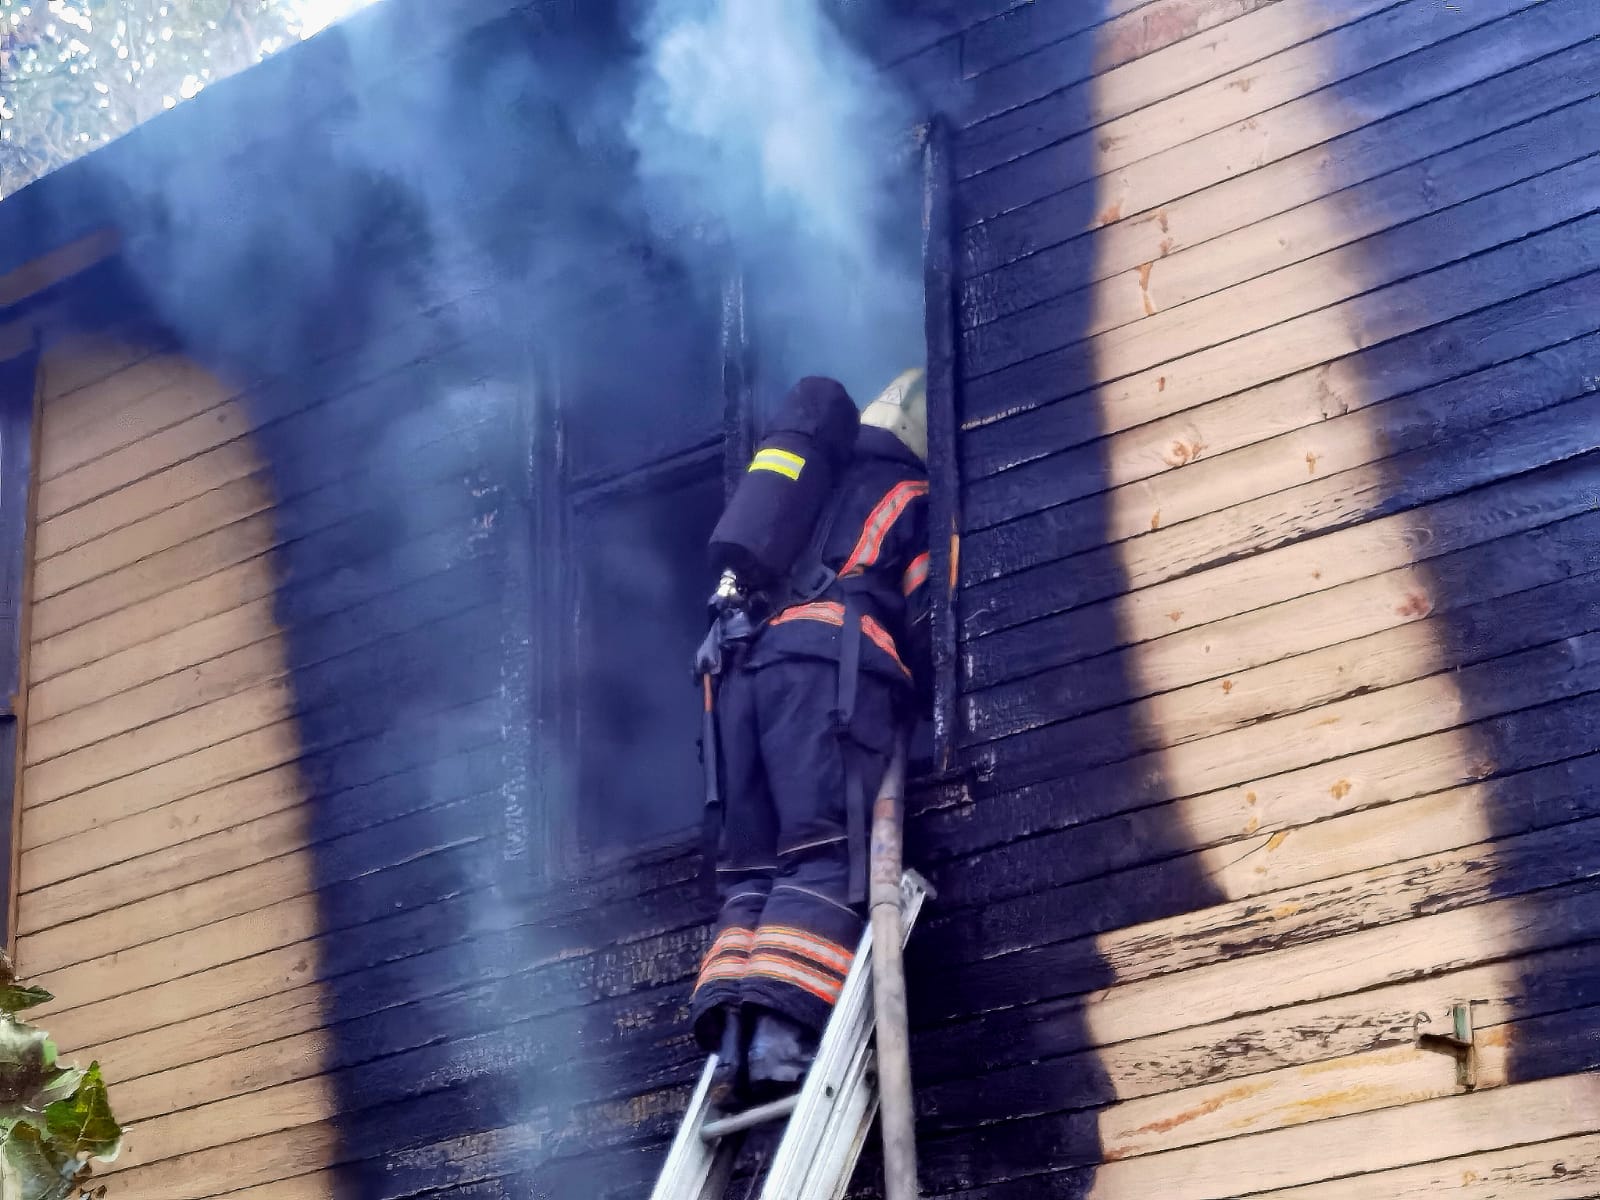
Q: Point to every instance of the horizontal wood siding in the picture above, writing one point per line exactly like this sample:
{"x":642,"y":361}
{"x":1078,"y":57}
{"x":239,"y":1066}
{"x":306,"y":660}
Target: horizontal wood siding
{"x":1279,"y":333}
{"x":154,"y":851}
{"x":1280,"y":490}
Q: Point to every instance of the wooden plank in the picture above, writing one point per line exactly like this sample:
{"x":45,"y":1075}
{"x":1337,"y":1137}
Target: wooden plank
{"x":18,"y":486}
{"x":163,"y":450}
{"x":203,"y":881}
{"x":1059,"y":390}
{"x":142,"y":400}
{"x":1134,"y":60}
{"x":207,"y":1174}
{"x":1431,"y":185}
{"x":146,"y":661}
{"x":317,"y":639}
{"x":1316,"y":690}
{"x":155,"y":575}
{"x":161,"y":742}
{"x":1261,"y":926}
{"x":1258,"y":49}
{"x":1446,"y":440}
{"x":260,"y":932}
{"x":169,"y":831}
{"x":402,"y":1005}
{"x":1454,"y":1126}
{"x":153,"y":1068}
{"x":239,"y":758}
{"x":1400,"y":58}
{"x":1443,"y":701}
{"x":56,"y":265}
{"x":211,"y":1126}
{"x":1055,"y":229}
{"x":1398,"y":771}
{"x":77,"y":360}
{"x":1480,"y":629}
{"x":412,"y":953}
{"x":1057,"y":901}
{"x":99,"y":640}
{"x":1013,"y":29}
{"x":1564,"y":1169}
{"x":1361,"y":609}
{"x":1296,"y":1097}
{"x":227,"y":762}
{"x":279,"y":872}
{"x":955,"y":1092}
{"x":1308,"y":403}
{"x":1173,"y":326}
{"x":1290,"y":571}
{"x":323,"y":512}
{"x":205,"y":514}
{"x":154,"y":704}
{"x":1322,"y":969}
{"x":195,"y":837}
{"x":150,"y":494}
{"x":1292,"y":100}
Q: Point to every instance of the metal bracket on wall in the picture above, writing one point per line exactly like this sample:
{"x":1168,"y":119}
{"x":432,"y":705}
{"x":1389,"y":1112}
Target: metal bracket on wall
{"x":1460,"y":1046}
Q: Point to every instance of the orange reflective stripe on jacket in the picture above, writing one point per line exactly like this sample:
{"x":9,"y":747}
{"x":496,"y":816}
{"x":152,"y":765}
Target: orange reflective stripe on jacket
{"x":831,"y":612}
{"x":883,"y":517}
{"x":916,"y":574}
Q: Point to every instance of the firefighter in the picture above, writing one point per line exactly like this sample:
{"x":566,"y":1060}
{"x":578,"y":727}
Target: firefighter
{"x":806,"y":719}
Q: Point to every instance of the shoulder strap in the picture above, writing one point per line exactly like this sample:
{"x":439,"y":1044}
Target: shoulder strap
{"x":811,"y":576}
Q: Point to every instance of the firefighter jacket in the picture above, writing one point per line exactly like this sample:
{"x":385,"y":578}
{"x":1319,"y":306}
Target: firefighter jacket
{"x":878,"y":545}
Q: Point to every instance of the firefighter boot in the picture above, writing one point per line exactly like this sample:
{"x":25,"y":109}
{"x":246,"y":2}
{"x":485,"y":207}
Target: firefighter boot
{"x":780,"y":1053}
{"x":728,"y":1077}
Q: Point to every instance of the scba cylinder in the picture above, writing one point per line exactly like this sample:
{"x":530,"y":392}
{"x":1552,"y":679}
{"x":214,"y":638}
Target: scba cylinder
{"x":771,"y":515}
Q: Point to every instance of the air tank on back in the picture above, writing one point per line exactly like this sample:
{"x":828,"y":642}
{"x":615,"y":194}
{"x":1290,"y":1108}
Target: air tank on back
{"x":769,"y":519}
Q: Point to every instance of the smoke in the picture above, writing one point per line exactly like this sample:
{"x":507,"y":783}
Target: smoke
{"x":762,"y":122}
{"x":394,"y":254}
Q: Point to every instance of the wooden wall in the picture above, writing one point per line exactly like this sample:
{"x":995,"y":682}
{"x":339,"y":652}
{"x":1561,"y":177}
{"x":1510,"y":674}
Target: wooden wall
{"x":165,"y":881}
{"x":1281,"y":518}
{"x":1278,"y":347}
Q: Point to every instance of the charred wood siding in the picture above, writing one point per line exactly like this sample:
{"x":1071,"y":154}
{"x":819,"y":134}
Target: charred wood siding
{"x":1278,"y":664}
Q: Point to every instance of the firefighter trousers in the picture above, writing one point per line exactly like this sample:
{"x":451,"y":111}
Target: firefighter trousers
{"x":786,"y":933}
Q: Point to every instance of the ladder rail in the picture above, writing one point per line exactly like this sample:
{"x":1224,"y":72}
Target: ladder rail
{"x":693,"y":1167}
{"x":831,"y":1115}
{"x":813,"y":1141}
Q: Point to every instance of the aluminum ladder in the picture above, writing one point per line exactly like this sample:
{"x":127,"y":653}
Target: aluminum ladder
{"x":827,"y":1119}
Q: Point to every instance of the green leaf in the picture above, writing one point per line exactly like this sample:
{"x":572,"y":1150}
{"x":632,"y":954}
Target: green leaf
{"x":32,"y":1168}
{"x":60,"y":1086}
{"x":27,"y":1061}
{"x":82,"y":1123}
{"x":14,"y":997}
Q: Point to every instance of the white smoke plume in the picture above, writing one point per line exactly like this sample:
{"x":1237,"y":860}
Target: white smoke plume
{"x":758,"y":120}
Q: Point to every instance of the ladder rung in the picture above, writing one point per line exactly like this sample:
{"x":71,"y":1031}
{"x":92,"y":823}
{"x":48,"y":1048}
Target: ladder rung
{"x":762,"y":1114}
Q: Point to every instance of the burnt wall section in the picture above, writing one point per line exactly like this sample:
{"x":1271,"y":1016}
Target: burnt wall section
{"x":1338,"y":495}
{"x":1278,"y":501}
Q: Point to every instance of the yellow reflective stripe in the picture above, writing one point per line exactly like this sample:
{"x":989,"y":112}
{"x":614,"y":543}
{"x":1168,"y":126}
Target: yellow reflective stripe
{"x":781,"y":462}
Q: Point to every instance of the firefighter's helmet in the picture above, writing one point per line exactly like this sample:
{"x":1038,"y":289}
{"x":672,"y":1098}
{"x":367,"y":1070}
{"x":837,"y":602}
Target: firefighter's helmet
{"x":902,"y":409}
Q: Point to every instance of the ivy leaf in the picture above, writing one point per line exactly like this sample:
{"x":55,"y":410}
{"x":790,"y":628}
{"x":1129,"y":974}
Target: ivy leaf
{"x":82,"y":1123}
{"x":27,"y":1064}
{"x":32,"y":1169}
{"x":14,"y":997}
{"x":62,"y":1083}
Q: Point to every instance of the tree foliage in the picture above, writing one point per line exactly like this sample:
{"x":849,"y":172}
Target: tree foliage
{"x":77,"y":73}
{"x":53,"y":1119}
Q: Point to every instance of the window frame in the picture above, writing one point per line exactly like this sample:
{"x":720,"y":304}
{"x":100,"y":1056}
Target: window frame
{"x":557,"y":497}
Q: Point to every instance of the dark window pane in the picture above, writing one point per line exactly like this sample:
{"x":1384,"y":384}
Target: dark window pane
{"x":647,"y":383}
{"x":643,"y":585}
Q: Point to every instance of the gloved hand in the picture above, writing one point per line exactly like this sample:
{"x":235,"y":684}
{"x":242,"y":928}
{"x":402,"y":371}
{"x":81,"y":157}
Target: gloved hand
{"x":708,"y":658}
